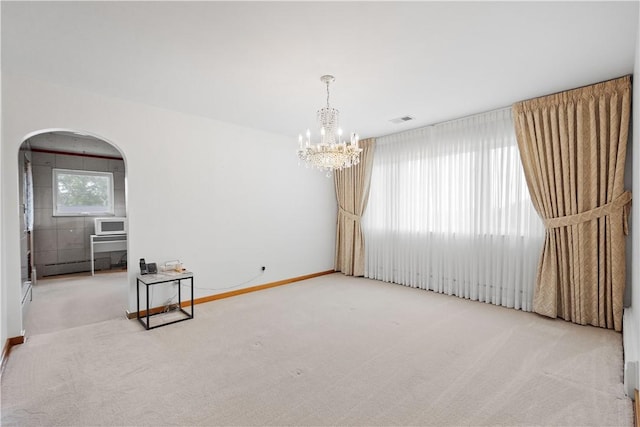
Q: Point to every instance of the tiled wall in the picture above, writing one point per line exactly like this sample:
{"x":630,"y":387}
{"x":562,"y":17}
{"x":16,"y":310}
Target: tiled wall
{"x":62,"y":243}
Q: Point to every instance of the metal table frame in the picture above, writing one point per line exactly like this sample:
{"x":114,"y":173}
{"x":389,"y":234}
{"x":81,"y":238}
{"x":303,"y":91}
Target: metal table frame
{"x":155,"y":279}
{"x":106,"y":243}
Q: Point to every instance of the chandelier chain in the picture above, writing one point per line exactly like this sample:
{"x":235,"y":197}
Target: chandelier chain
{"x":327,"y":94}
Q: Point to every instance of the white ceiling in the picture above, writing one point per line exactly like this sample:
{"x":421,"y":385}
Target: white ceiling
{"x":259,"y":64}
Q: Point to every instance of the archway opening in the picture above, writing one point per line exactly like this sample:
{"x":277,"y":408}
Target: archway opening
{"x":70,"y":184}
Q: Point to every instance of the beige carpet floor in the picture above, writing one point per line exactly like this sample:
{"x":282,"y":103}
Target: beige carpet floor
{"x":332,"y":350}
{"x":75,"y":300}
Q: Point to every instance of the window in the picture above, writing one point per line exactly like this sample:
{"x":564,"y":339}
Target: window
{"x":82,"y":193}
{"x":461,"y":177}
{"x":449,"y":210}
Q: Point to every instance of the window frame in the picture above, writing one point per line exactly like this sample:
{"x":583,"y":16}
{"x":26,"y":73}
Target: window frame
{"x":109,"y":211}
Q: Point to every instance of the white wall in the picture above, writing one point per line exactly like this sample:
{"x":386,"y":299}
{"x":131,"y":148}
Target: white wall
{"x":223,"y":199}
{"x":631,"y":326}
{"x":3,"y":290}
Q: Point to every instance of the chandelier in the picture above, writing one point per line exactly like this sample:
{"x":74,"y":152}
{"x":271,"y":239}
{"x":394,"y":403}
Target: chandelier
{"x":332,"y":152}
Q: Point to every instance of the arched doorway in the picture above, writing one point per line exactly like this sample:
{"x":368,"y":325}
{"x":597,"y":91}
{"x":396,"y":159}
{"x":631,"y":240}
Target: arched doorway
{"x":68,"y":179}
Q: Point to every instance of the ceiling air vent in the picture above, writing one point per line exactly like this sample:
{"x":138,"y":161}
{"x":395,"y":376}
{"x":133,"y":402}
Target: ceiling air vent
{"x":401,"y":119}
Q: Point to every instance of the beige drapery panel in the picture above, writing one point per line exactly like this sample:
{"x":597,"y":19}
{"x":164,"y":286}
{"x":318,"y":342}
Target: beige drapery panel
{"x":352,"y":192}
{"x":573,"y":148}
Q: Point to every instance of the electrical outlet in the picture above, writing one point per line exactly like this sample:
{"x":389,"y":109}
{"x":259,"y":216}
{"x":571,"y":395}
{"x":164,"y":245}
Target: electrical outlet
{"x":264,"y":268}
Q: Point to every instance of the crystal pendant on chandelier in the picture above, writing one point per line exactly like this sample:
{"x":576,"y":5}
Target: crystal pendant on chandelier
{"x":332,"y":152}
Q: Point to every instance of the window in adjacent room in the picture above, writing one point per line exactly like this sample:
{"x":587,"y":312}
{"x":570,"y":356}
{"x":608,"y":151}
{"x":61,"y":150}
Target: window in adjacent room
{"x":82,"y":193}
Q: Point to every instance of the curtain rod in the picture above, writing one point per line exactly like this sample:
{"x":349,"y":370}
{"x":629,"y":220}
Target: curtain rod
{"x":581,"y":87}
{"x":495,"y":110}
{"x":447,"y":121}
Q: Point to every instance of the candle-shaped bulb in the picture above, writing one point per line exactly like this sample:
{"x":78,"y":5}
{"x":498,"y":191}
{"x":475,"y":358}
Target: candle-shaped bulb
{"x":322,"y":131}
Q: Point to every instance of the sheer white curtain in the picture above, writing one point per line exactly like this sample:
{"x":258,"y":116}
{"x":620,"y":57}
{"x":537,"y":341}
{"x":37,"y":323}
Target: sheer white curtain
{"x":449,"y":210}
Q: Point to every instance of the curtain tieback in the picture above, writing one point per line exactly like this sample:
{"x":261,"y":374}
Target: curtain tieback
{"x":621,"y":202}
{"x":349,"y":214}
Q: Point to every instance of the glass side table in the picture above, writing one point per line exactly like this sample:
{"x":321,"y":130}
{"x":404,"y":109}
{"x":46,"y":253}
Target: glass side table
{"x":149,"y":280}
